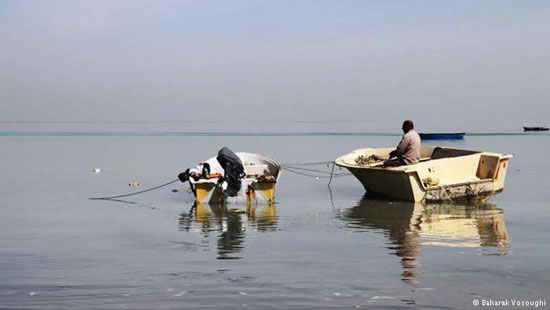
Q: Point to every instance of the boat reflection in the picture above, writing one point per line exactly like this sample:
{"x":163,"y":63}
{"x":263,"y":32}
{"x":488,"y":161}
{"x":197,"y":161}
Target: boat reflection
{"x":452,"y":225}
{"x":409,"y":226}
{"x":230,"y":224}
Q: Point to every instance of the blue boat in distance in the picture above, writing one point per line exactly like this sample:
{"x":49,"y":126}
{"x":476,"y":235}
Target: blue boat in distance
{"x":535,"y":128}
{"x":442,"y":136}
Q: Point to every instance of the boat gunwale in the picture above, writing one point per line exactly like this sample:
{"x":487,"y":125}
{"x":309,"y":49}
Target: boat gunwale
{"x":410,"y":168}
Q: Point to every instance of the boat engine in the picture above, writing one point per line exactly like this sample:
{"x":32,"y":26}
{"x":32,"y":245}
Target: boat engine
{"x":233,"y":170}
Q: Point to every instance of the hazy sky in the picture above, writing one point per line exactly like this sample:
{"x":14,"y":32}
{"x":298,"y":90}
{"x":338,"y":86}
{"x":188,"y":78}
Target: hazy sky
{"x":433,"y":61}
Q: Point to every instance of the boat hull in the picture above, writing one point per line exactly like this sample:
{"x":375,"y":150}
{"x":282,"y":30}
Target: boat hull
{"x":536,"y":128}
{"x":442,"y":136}
{"x":443,"y":174}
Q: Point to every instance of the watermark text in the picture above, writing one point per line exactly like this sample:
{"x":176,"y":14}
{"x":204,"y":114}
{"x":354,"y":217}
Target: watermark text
{"x":520,"y":303}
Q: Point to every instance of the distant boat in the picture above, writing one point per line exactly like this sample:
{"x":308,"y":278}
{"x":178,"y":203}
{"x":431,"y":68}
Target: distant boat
{"x":443,"y":136}
{"x":535,"y":128}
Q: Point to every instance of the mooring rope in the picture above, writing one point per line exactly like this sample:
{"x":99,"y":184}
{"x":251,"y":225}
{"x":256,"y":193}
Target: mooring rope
{"x":338,"y":175}
{"x":331,"y":174}
{"x":306,"y":169}
{"x":316,"y":173}
{"x":309,"y":164}
{"x":132,"y":194}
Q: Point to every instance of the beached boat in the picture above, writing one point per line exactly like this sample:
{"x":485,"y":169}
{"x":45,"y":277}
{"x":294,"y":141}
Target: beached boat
{"x":442,"y":136}
{"x":442,"y":174}
{"x":535,"y":128}
{"x":259,"y":184}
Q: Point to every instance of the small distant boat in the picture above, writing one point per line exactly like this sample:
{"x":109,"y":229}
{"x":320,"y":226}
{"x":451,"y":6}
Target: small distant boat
{"x":535,"y":128}
{"x":442,"y":136}
{"x":442,"y":174}
{"x":259,"y":184}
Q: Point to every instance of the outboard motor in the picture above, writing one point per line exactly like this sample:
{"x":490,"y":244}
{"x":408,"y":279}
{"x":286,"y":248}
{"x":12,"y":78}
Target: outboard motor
{"x":233,"y":170}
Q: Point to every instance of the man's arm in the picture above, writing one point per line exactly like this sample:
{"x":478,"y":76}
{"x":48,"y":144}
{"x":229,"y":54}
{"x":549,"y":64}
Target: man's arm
{"x":403,"y":145}
{"x":395,"y":152}
{"x":214,"y":176}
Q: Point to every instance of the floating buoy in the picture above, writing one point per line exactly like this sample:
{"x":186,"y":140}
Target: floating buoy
{"x":316,"y":178}
{"x":97,"y":170}
{"x":134,"y":184}
{"x":431,"y":181}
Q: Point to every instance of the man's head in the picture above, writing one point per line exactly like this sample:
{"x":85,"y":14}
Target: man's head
{"x":407,"y":126}
{"x":184,"y":176}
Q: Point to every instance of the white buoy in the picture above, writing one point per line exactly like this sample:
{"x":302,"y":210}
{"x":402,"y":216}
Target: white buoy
{"x":316,"y":178}
{"x":97,"y":170}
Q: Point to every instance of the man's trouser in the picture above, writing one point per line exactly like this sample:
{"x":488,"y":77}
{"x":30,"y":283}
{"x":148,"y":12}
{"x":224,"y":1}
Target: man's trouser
{"x":394,"y":162}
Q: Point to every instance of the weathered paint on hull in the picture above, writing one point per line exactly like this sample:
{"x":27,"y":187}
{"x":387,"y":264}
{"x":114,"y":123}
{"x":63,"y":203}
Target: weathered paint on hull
{"x":256,"y":191}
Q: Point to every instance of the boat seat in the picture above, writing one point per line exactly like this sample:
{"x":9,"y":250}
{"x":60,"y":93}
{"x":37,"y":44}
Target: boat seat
{"x":256,"y":170}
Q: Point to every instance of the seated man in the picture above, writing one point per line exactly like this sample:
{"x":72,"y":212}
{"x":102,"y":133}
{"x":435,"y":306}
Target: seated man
{"x":408,"y":150}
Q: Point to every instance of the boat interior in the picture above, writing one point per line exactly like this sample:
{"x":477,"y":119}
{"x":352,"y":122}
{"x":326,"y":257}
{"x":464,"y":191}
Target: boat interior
{"x":456,"y":165}
{"x":255,"y":170}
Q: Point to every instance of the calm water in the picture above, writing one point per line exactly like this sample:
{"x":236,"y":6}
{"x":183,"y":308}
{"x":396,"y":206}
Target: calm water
{"x":312,"y":249}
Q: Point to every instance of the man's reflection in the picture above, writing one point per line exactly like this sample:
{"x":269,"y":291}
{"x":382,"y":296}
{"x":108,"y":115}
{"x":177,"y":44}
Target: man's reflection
{"x":410,"y":225}
{"x":396,"y":220}
{"x":230,"y":223}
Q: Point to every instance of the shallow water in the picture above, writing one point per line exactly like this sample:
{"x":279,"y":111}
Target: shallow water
{"x":314,"y":248}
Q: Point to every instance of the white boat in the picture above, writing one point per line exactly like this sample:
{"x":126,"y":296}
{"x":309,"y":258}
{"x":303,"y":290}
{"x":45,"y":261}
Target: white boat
{"x":259,"y":184}
{"x":442,"y":174}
